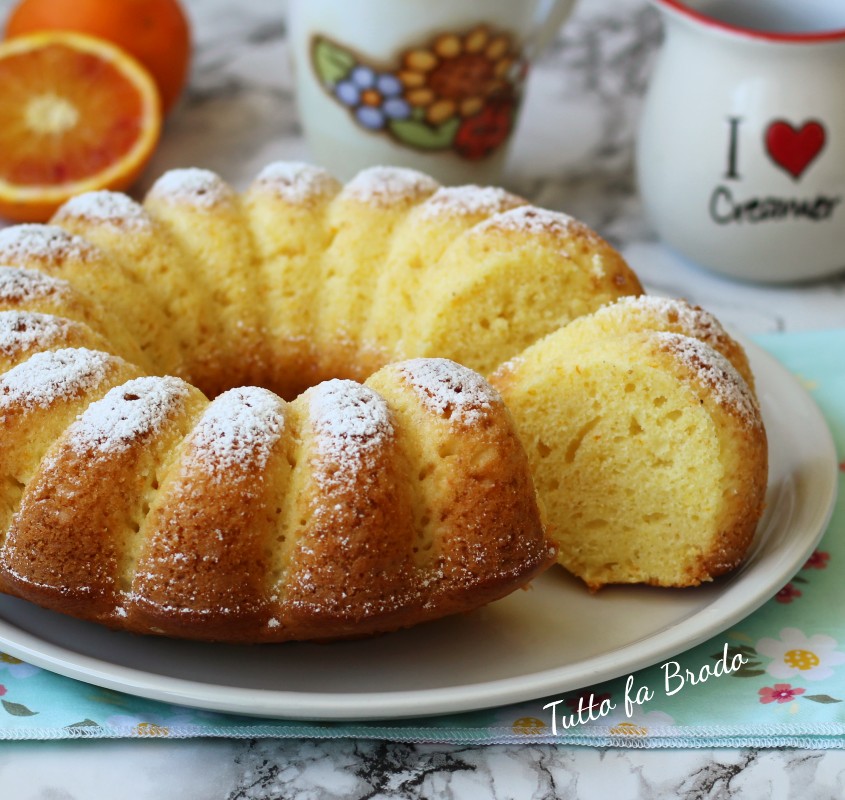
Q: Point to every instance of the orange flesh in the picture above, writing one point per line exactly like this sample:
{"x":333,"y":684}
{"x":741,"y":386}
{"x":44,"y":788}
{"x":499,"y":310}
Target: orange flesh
{"x":53,"y":128}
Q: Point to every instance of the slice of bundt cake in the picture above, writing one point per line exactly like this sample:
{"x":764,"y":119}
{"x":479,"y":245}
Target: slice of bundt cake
{"x":39,"y":398}
{"x":286,"y":207}
{"x":508,"y":281}
{"x":647,"y":450}
{"x":52,"y":250}
{"x":146,"y":250}
{"x":652,"y":313}
{"x":207,"y":221}
{"x":423,"y":237}
{"x":28,"y":290}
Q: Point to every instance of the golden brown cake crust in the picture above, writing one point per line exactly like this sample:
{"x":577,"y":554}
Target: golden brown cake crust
{"x":255,"y":520}
{"x":744,"y":451}
{"x":236,"y":461}
{"x":67,"y":545}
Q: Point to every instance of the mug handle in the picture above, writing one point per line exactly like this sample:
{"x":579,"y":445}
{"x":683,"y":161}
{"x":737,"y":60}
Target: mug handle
{"x":550,"y":15}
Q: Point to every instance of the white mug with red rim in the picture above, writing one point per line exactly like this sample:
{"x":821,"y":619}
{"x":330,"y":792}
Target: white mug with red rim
{"x":741,"y":147}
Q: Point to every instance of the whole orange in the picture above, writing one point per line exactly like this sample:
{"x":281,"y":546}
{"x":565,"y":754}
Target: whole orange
{"x":156,"y":32}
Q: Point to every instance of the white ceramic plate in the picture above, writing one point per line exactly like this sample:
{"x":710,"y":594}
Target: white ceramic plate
{"x":550,"y":639}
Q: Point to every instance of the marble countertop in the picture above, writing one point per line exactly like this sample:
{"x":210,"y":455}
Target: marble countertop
{"x":573,"y":152}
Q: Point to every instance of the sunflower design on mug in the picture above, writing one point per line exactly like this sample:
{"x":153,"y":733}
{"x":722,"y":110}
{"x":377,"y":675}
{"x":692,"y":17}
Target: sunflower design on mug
{"x":458,"y":91}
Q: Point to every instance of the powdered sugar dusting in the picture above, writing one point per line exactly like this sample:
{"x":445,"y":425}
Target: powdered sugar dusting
{"x":240,"y":428}
{"x":26,"y":285}
{"x":449,"y":390}
{"x":114,"y":208}
{"x":384,"y":186}
{"x":22,"y":244}
{"x":50,"y":376}
{"x":296,"y":182}
{"x":351,"y":423}
{"x":713,"y":369}
{"x":534,"y":221}
{"x":469,"y":201}
{"x":692,"y":320}
{"x":201,"y":188}
{"x":21,"y":331}
{"x":135,"y":409}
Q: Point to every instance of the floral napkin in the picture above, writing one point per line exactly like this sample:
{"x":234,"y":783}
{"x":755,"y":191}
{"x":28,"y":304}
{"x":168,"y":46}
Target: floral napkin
{"x":775,"y":679}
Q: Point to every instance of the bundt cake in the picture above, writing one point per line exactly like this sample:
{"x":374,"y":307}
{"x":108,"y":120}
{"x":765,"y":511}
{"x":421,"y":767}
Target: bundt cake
{"x":646,"y":443}
{"x":258,"y":416}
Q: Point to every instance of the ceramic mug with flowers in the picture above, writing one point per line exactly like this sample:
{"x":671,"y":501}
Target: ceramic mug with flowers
{"x":430,"y":84}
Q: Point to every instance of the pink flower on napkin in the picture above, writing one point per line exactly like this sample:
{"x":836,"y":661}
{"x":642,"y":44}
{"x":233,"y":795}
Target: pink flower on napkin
{"x":818,"y":560}
{"x":788,"y":593}
{"x":779,"y":693}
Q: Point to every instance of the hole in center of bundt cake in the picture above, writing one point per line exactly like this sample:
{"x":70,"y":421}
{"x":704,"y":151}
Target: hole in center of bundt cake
{"x":287,"y":369}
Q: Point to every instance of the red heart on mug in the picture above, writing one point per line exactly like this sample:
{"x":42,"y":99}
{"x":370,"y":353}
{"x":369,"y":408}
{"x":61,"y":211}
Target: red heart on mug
{"x":794,"y":149}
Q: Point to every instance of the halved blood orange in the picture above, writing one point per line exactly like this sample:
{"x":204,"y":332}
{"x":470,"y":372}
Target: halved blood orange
{"x":76,"y":113}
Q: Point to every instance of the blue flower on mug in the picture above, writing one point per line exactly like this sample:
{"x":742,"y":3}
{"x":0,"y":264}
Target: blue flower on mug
{"x":373,"y":97}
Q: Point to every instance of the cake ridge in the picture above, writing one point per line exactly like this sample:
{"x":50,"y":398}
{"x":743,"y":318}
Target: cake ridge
{"x":534,"y":220}
{"x":450,"y":390}
{"x":296,"y":181}
{"x":469,"y":200}
{"x":51,"y":375}
{"x":198,"y":187}
{"x":354,"y":419}
{"x":241,"y":426}
{"x":26,"y":329}
{"x":382,"y":185}
{"x":34,"y":241}
{"x":134,"y":409}
{"x":696,"y":319}
{"x":104,"y":206}
{"x":21,"y":285}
